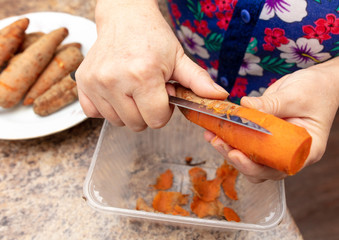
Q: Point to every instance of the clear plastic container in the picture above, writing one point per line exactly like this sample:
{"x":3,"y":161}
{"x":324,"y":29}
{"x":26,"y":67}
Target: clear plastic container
{"x":126,"y":163}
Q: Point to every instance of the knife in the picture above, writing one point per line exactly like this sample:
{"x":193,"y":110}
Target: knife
{"x":209,"y":111}
{"x":205,"y":110}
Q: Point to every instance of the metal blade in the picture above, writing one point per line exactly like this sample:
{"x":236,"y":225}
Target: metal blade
{"x":205,"y":110}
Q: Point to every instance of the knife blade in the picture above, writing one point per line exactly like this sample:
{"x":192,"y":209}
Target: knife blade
{"x":227,"y":117}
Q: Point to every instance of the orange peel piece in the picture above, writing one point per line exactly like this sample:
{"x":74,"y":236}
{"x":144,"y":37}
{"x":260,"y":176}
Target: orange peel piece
{"x":164,"y":181}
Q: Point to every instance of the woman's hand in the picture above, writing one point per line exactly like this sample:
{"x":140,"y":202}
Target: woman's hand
{"x":123,"y":77}
{"x":308,"y":98}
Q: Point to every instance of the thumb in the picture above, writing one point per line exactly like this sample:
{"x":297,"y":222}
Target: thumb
{"x":277,"y":103}
{"x":192,"y":76}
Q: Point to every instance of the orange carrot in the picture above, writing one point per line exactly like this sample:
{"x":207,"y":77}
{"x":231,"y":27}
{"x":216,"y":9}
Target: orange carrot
{"x":231,"y":215}
{"x":64,"y":62}
{"x":164,"y":181}
{"x":286,"y":149}
{"x":11,"y":37}
{"x":58,"y":96}
{"x":20,"y":74}
{"x":228,"y":174}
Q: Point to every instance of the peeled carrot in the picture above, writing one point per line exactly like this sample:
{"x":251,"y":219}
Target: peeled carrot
{"x":286,"y":149}
{"x":20,"y":74}
{"x":64,"y":62}
{"x":58,"y":96}
{"x":11,"y":37}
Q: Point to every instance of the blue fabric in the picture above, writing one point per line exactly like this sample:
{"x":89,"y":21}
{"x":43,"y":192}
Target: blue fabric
{"x":236,"y":40}
{"x":281,"y":37}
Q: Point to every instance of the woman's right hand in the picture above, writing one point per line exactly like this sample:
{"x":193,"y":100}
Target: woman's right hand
{"x":123,"y":77}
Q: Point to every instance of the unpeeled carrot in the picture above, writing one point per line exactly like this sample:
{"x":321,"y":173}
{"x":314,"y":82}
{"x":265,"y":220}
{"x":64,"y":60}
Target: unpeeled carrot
{"x":29,"y":39}
{"x":64,"y":62}
{"x":20,"y":74}
{"x":286,"y":149}
{"x":11,"y":37}
{"x":58,"y":96}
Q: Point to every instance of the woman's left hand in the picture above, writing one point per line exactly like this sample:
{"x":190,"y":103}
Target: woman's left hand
{"x":308,"y":98}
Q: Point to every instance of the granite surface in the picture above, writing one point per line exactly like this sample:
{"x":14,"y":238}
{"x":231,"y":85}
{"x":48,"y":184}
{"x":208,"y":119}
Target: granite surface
{"x":41,"y":179}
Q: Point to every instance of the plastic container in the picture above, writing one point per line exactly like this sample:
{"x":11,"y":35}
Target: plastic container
{"x":126,"y":163}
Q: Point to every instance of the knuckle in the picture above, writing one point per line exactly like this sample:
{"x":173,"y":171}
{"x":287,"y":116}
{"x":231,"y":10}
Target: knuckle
{"x":143,"y":69}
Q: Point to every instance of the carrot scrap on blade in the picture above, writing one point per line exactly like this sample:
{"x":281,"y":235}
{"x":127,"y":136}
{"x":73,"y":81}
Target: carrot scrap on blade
{"x":166,"y":202}
{"x":228,"y":174}
{"x":164,"y":181}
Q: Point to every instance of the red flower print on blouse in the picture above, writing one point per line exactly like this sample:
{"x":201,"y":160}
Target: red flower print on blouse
{"x":224,"y":19}
{"x":319,"y":32}
{"x":224,"y":5}
{"x":208,"y":7}
{"x":239,"y":88}
{"x":202,"y":64}
{"x":331,"y":23}
{"x":202,"y":27}
{"x":188,"y":24}
{"x":215,"y":64}
{"x":273,"y":80}
{"x":274,"y":38}
{"x":175,"y":11}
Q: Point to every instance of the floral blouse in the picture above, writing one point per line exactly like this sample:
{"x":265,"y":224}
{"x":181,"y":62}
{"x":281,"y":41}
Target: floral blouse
{"x":247,"y":45}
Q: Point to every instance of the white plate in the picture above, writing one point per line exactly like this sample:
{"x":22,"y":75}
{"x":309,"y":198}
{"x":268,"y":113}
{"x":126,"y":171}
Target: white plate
{"x":21,"y":122}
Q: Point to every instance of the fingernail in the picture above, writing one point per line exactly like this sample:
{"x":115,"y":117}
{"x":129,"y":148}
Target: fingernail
{"x":219,"y":88}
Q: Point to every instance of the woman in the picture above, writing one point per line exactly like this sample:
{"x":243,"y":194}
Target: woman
{"x":283,"y":49}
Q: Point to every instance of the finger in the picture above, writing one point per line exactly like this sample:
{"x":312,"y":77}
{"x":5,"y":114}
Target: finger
{"x":88,"y":107}
{"x":192,"y":76}
{"x":251,"y":169}
{"x":219,"y":145}
{"x":153,"y":104}
{"x":128,"y":112}
{"x":99,"y":107}
{"x":208,"y":135}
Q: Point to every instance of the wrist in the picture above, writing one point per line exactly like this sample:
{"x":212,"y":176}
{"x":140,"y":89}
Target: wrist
{"x":106,"y":10}
{"x":328,"y":73}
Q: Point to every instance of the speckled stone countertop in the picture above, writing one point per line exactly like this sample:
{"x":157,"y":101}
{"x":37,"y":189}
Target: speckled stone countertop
{"x":41,"y":179}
